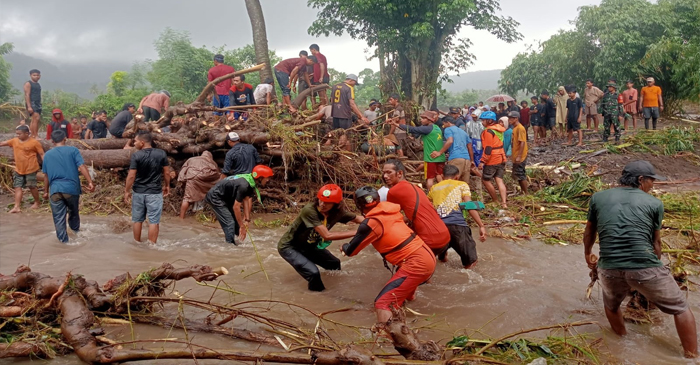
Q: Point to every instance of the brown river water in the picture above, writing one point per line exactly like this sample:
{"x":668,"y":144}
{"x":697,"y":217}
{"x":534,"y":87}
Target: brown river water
{"x":515,"y":285}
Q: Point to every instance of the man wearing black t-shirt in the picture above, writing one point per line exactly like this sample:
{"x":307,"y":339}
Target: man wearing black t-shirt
{"x":116,"y":128}
{"x":97,"y":128}
{"x":148,"y":168}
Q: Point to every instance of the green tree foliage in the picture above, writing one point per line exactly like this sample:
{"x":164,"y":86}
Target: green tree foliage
{"x":416,"y":40}
{"x":446,"y":99}
{"x":117,"y":83}
{"x":622,"y":39}
{"x":6,"y":89}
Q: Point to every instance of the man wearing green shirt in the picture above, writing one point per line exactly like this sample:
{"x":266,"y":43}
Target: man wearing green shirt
{"x":628,"y":222}
{"x":431,"y":135}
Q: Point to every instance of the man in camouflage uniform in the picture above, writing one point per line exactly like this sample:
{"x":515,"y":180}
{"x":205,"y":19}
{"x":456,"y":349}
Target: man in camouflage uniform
{"x":611,"y":112}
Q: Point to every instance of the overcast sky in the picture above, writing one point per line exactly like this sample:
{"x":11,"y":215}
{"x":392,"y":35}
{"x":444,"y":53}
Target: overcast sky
{"x":80,"y":31}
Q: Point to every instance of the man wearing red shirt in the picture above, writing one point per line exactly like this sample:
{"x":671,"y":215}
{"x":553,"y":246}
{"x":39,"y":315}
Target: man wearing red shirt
{"x":419,"y":211}
{"x":221,"y":99}
{"x":321,"y":75}
{"x":286,"y":71}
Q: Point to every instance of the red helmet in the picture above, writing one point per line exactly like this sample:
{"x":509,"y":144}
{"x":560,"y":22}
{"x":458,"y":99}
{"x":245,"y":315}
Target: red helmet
{"x":261,"y":171}
{"x":330,"y":193}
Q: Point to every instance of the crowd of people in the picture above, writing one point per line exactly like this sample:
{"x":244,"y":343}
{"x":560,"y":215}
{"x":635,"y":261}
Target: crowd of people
{"x":411,"y":226}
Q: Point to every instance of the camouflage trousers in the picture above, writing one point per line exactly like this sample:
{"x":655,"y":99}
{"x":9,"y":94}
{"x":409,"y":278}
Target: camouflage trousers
{"x":607,"y":122}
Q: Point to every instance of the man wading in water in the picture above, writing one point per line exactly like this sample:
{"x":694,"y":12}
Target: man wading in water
{"x":305,"y":244}
{"x":628,"y":222}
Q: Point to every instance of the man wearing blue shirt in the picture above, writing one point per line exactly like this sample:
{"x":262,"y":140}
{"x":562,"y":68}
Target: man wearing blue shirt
{"x":458,"y":145}
{"x":61,"y":166}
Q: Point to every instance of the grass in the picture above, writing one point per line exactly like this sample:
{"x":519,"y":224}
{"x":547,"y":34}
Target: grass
{"x":669,"y":141}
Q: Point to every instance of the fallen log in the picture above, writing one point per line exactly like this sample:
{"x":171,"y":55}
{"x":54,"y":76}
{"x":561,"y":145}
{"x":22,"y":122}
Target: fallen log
{"x":81,"y":144}
{"x":101,"y":159}
{"x":306,"y":93}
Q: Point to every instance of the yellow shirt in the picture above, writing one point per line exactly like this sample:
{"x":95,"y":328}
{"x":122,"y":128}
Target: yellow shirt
{"x":519,"y":138}
{"x":446,"y":196}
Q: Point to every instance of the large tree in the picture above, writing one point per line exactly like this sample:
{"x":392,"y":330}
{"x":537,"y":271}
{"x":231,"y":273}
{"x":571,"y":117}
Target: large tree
{"x":416,"y":40}
{"x":262,"y":53}
{"x":6,"y":90}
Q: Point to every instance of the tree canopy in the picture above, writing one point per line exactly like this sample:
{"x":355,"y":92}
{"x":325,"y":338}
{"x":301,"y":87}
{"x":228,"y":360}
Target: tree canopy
{"x":621,"y":39}
{"x":6,"y":89}
{"x":416,"y":41}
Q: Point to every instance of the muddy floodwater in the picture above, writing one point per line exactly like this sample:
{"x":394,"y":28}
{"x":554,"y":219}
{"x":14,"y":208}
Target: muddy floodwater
{"x":515,"y":285}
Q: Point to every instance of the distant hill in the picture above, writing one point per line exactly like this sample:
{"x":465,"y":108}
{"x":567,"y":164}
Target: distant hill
{"x":76,"y":79}
{"x":476,"y":80}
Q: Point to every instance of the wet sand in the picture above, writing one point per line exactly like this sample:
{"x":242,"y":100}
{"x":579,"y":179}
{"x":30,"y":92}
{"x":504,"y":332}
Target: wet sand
{"x":515,"y":285}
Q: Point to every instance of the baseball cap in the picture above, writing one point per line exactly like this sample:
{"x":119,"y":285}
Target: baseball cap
{"x":513,"y":115}
{"x":488,"y":115}
{"x":650,"y":79}
{"x":455,"y":110}
{"x":641,"y":168}
{"x":233,"y":136}
{"x":352,"y":77}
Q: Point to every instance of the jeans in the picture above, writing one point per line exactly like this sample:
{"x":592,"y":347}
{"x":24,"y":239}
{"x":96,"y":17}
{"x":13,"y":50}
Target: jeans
{"x":220,"y":101}
{"x":226,"y":217}
{"x":283,"y":81}
{"x":60,"y":205}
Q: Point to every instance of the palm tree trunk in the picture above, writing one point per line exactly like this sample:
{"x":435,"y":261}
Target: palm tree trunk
{"x":262,"y":55}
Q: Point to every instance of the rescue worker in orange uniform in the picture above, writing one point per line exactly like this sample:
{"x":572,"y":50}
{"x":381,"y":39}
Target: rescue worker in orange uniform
{"x":305,"y":244}
{"x":493,"y":161}
{"x":385,"y":229}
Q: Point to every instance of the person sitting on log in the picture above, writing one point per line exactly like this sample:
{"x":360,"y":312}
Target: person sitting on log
{"x":199,"y":174}
{"x":240,"y":94}
{"x":241,"y":158}
{"x":62,"y":183}
{"x":263,"y":92}
{"x":116,"y":128}
{"x":385,"y":229}
{"x":153,"y":104}
{"x":58,"y":122}
{"x":305,"y":244}
{"x":98,"y":127}
{"x":228,"y":196}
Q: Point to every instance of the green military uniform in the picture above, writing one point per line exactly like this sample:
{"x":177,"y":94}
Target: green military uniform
{"x":611,"y":112}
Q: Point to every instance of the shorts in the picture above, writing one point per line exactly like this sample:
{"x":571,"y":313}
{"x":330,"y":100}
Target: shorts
{"x":464,"y":167}
{"x":283,"y":81}
{"x":652,"y":112}
{"x":655,"y":283}
{"x":491,"y":171}
{"x":143,"y":205}
{"x":36,"y":106}
{"x":536,"y":122}
{"x":519,"y":173}
{"x":325,"y":80}
{"x":433,"y":169}
{"x":24,"y":181}
{"x":551,"y":123}
{"x":339,"y":123}
{"x":573,"y":125}
{"x":590,"y":110}
{"x":220,"y":101}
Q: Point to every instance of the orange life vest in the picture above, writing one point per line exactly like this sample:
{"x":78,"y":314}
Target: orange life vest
{"x":397,"y":241}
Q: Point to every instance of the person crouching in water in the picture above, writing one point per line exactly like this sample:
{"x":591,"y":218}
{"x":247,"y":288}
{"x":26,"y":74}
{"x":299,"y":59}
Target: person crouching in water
{"x":304,"y":245}
{"x":229,"y":195}
{"x":385,"y":229}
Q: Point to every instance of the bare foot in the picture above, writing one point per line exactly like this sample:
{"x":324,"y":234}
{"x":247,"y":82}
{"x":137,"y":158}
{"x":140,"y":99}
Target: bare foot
{"x":35,"y":206}
{"x":579,"y":144}
{"x":504,"y":206}
{"x":16,"y":210}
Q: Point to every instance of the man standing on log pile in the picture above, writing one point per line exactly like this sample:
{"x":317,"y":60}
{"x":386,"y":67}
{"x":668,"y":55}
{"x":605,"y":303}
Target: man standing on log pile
{"x":62,"y":183}
{"x":198,"y":175}
{"x":286,"y":71}
{"x":446,"y":197}
{"x":432,"y":138}
{"x":343,"y":108}
{"x":305,"y":244}
{"x":58,"y":122}
{"x":321,"y":75}
{"x":25,"y":150}
{"x":303,"y":79}
{"x":420,"y":213}
{"x":32,"y":100}
{"x":628,"y":221}
{"x":241,"y":158}
{"x":153,"y":104}
{"x":228,"y":196}
{"x":221,"y":99}
{"x":149,"y":167}
{"x":384,"y":228}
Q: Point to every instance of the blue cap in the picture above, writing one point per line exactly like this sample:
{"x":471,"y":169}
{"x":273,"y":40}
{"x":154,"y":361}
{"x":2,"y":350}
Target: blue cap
{"x":488,"y":115}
